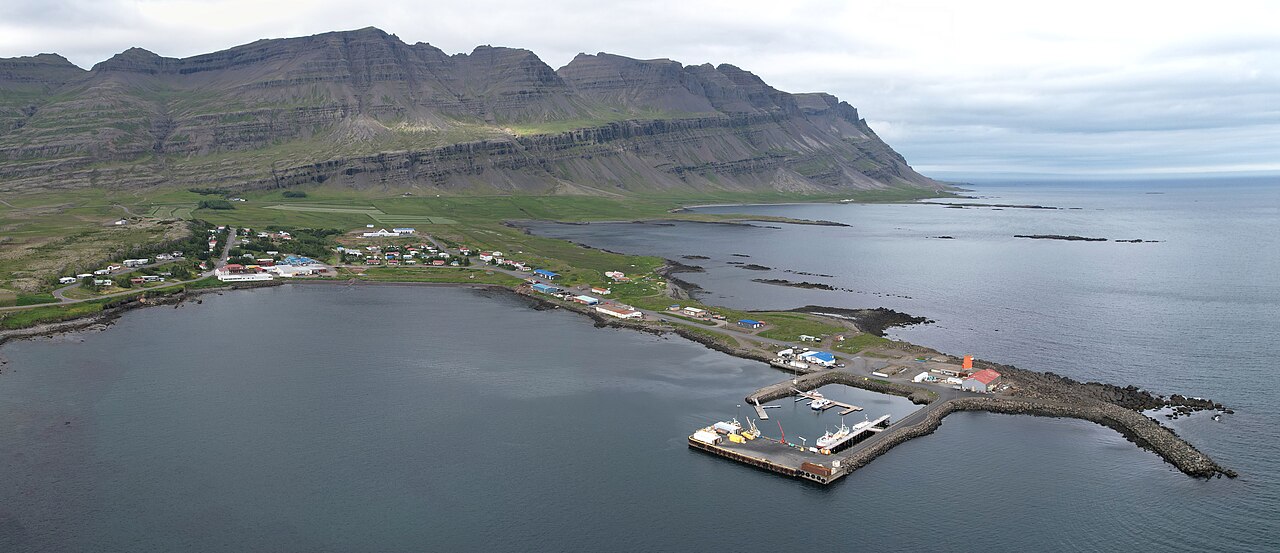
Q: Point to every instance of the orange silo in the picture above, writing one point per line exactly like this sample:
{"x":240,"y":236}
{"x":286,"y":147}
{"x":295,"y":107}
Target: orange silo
{"x":968,"y":362}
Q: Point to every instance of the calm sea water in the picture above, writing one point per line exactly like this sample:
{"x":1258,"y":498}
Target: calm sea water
{"x":371,"y":418}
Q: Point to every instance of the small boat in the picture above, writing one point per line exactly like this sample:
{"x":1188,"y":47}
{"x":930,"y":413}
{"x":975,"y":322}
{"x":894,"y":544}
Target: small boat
{"x":820,"y":404}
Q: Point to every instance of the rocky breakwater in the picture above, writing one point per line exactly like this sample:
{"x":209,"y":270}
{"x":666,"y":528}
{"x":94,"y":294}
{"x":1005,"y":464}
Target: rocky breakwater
{"x":1142,"y":430}
{"x":1041,"y":394}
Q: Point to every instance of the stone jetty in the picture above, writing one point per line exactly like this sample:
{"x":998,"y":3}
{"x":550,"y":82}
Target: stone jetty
{"x":1134,"y":425}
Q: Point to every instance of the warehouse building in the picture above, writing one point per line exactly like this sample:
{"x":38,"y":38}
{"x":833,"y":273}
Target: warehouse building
{"x":984,"y":381}
{"x":545,"y":288}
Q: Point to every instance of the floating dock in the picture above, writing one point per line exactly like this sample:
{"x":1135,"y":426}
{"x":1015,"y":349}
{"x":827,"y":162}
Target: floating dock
{"x":788,"y":459}
{"x":848,"y":407}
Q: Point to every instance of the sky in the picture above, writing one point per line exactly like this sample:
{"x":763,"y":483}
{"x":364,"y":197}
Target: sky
{"x":966,"y":89}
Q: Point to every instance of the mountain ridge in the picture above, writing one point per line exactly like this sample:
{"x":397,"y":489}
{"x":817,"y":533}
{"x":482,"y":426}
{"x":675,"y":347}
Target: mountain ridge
{"x":363,"y":108}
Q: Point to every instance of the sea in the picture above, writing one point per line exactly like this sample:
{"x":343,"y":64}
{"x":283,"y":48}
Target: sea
{"x":313,"y":417}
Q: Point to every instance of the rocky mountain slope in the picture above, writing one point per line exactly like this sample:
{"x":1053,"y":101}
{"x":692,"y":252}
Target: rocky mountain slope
{"x":362,"y":108}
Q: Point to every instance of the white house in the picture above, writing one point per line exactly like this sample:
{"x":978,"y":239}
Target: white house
{"x":380,"y":233}
{"x":67,"y":280}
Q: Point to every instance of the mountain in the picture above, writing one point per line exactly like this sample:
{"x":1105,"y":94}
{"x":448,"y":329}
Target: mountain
{"x":362,"y":108}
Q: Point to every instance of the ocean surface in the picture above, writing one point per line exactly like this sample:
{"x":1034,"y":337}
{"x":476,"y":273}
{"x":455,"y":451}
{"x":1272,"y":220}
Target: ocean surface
{"x":404,"y":418}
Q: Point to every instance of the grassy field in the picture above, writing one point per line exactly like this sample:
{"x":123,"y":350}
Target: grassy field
{"x":856,"y":344}
{"x":50,"y":314}
{"x":171,"y":211}
{"x":789,"y":326}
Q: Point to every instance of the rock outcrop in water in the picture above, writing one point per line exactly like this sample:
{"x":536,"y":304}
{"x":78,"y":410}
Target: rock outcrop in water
{"x":364,"y":109}
{"x":1071,"y":238}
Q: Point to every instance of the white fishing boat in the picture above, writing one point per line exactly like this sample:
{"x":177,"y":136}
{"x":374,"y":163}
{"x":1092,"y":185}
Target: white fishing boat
{"x":832,"y":438}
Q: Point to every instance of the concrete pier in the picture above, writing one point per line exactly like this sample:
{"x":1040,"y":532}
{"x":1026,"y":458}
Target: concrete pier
{"x":760,"y":411}
{"x":794,"y":461}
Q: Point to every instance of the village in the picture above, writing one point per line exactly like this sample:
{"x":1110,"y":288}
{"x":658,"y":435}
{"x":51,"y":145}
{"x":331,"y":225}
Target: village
{"x":254,"y":256}
{"x":270,"y":255}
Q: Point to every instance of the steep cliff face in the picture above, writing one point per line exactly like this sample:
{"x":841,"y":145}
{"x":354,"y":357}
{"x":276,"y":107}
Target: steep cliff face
{"x":25,"y":84}
{"x":365,"y":109}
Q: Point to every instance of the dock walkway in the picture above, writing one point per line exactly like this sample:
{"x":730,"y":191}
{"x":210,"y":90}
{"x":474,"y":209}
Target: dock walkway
{"x":760,"y":410}
{"x":848,"y":407}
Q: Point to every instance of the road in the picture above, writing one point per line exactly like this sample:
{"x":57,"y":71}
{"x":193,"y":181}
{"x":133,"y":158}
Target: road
{"x":63,"y":300}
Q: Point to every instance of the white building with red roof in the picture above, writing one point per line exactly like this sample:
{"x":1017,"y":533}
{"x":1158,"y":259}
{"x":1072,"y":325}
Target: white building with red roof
{"x":984,"y":381}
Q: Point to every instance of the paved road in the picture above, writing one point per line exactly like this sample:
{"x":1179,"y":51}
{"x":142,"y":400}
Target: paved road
{"x":63,"y":300}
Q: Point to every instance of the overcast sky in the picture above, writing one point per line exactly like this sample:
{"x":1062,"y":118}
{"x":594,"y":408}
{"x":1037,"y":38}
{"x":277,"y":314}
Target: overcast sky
{"x":963,"y":89}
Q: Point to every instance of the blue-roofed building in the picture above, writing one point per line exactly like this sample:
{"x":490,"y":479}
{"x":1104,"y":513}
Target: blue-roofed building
{"x":750,"y":323}
{"x":586,"y":300}
{"x":546,"y":274}
{"x":823,"y":358}
{"x":545,"y":288}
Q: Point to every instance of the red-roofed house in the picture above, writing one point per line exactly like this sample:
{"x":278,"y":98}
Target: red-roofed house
{"x":984,"y":380}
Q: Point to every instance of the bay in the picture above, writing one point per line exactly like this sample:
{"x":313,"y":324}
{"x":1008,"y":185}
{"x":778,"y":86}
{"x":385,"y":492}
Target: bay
{"x":399,"y":418}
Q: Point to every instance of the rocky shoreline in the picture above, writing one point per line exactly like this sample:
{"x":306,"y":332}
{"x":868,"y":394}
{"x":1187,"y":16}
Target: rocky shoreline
{"x":872,"y":321}
{"x":102,"y":319}
{"x":793,"y":284}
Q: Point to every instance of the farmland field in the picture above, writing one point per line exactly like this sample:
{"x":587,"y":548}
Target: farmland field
{"x":373,"y":212}
{"x":171,"y":211}
{"x":397,"y":220}
{"x":370,"y":211}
